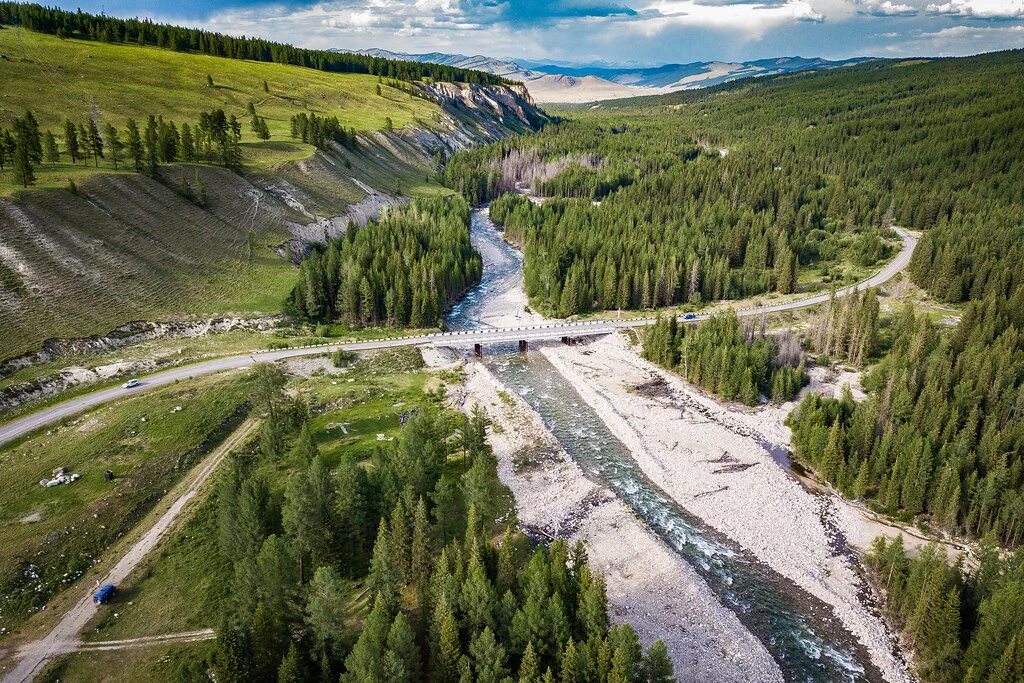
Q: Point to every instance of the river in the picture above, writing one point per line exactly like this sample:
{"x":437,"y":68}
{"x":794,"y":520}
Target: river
{"x":800,"y":631}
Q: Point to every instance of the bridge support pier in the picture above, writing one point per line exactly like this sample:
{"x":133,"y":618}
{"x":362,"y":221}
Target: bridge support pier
{"x":524,"y":346}
{"x":478,"y":349}
{"x":567,"y":341}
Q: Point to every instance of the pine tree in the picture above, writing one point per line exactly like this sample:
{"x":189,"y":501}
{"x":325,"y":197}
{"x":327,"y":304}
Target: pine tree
{"x":22,"y":162}
{"x":290,"y":670}
{"x":306,"y":449}
{"x":327,"y":607}
{"x":95,"y":142}
{"x":151,"y":141}
{"x":448,"y":650}
{"x":233,"y":660}
{"x":420,"y":561}
{"x":114,"y":144}
{"x":50,"y":148}
{"x":365,"y":662}
{"x":399,"y":539}
{"x":657,"y":667}
{"x":477,"y":599}
{"x":384,"y":581}
{"x":135,"y":147}
{"x":402,"y":644}
{"x":529,"y":666}
{"x":488,"y":658}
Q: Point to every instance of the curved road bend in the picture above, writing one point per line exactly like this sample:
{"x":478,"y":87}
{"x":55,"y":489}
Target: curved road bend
{"x":24,"y":425}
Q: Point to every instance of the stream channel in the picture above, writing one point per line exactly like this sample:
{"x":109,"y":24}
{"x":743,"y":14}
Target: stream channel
{"x":800,"y":631}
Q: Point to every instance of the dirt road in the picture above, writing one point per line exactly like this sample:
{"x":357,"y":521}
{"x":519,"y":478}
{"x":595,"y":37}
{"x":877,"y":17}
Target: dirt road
{"x":64,"y":636}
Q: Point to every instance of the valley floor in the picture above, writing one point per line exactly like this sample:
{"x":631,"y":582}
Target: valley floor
{"x":649,"y":586}
{"x":716,"y":461}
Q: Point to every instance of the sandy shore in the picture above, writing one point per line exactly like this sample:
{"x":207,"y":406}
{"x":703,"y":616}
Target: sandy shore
{"x":713,"y":461}
{"x":649,"y":586}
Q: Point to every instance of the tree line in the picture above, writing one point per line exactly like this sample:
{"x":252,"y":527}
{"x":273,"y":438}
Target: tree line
{"x":655,"y":221}
{"x":320,"y":131}
{"x":940,"y":438}
{"x":415,"y":530}
{"x":406,"y":268}
{"x":736,"y":361}
{"x":79,"y":24}
{"x":963,"y":625}
{"x":214,"y":138}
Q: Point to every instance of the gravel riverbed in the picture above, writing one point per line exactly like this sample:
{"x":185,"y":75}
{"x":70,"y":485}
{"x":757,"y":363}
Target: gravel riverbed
{"x":649,"y":585}
{"x":714,"y":461}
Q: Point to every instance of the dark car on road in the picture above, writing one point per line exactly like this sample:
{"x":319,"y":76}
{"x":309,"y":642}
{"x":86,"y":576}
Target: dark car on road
{"x":104,"y":594}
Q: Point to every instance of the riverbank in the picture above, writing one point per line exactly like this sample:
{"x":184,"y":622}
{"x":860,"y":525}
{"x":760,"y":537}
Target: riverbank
{"x":715,"y":462}
{"x":649,"y":585}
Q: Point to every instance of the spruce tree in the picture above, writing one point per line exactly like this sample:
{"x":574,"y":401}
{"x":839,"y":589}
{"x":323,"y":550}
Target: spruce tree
{"x":657,"y":667}
{"x":402,"y":644}
{"x":135,"y":147}
{"x":50,"y":148}
{"x":291,"y":670}
{"x":114,"y":144}
{"x":22,"y":162}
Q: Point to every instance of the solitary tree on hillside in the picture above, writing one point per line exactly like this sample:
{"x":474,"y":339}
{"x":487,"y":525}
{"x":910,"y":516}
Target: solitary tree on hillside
{"x":71,"y":140}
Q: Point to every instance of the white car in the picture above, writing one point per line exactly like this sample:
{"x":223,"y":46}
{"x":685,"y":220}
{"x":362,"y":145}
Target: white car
{"x":131,"y":384}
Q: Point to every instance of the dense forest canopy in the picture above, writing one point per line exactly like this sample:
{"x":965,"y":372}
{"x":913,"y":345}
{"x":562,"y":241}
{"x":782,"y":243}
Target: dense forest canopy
{"x":414,"y":527}
{"x":736,"y":361}
{"x":407,"y":268}
{"x":963,"y":625}
{"x":147,"y":32}
{"x":941,"y":433}
{"x":813,"y":167}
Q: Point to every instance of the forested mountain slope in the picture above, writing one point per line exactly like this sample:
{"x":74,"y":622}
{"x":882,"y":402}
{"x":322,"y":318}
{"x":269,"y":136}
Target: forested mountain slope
{"x":749,"y":176}
{"x":251,"y":162}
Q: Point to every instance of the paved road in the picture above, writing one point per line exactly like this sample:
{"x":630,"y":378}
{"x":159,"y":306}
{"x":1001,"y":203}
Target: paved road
{"x":64,"y":636}
{"x":24,"y":425}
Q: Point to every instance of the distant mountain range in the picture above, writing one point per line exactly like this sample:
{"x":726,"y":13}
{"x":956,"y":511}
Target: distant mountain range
{"x":575,"y":84}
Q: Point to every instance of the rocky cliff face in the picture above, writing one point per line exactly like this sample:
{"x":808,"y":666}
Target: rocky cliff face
{"x":476,"y":113}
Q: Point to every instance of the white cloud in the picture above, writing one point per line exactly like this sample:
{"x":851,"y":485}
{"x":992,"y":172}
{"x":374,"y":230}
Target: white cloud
{"x":887,"y":8}
{"x":659,"y":31}
{"x":959,"y":40}
{"x":981,"y":9}
{"x":753,"y":19}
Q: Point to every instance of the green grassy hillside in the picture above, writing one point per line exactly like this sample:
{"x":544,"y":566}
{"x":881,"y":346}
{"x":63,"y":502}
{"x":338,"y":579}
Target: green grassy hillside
{"x":74,"y":79}
{"x":89,"y":246}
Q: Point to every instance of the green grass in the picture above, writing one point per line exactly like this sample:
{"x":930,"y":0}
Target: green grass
{"x":50,"y":536}
{"x":183,"y":586}
{"x":58,"y":79}
{"x":128,"y":248}
{"x":156,"y":664}
{"x":125,"y":247}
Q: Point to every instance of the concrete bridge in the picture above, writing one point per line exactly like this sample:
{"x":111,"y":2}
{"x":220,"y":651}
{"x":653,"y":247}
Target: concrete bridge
{"x":565,"y":331}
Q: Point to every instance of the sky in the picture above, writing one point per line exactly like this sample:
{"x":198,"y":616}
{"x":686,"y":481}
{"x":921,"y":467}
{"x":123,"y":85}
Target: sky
{"x":624,"y":32}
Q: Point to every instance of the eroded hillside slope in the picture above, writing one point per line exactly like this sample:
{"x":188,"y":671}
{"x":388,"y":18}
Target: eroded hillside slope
{"x":90,"y":248}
